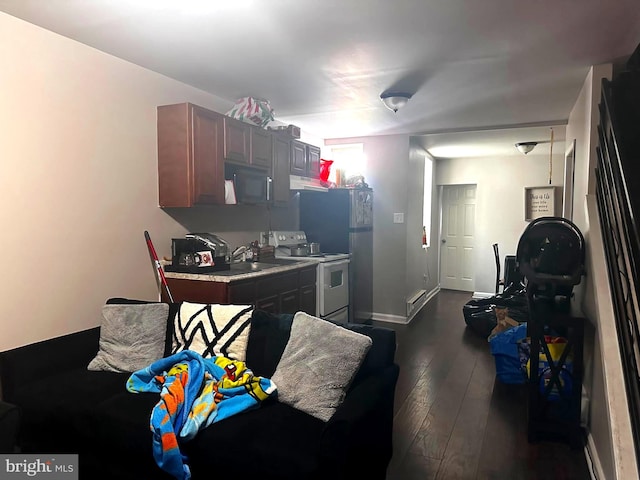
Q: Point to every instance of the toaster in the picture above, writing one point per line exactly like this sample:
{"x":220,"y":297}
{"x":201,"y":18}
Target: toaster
{"x":199,"y":253}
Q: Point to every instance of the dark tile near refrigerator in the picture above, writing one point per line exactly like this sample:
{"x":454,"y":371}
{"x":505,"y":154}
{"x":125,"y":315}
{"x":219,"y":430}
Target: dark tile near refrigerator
{"x":453,"y":419}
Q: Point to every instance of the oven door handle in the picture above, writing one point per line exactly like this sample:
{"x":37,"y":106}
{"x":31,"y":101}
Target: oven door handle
{"x":337,"y":263}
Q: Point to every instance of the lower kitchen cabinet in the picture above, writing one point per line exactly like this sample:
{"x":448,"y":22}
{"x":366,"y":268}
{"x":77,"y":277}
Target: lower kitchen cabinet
{"x":286,"y":292}
{"x":308,"y":291}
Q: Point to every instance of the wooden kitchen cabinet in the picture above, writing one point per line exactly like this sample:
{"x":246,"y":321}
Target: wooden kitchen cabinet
{"x":247,"y":145}
{"x":190,"y":166}
{"x":261,"y":147}
{"x":305,"y":159}
{"x":237,"y":141}
{"x":280,"y":170}
{"x":285,"y":292}
{"x":290,"y":301}
{"x":298,"y":158}
{"x":278,"y":295}
{"x":313,"y":161}
{"x":308,"y":290}
{"x":239,"y":293}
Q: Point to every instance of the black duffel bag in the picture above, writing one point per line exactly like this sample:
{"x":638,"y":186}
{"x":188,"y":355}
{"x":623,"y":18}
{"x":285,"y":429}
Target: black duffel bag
{"x":480,"y":315}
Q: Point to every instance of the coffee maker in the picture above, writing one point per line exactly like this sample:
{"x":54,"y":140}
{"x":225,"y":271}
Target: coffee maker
{"x":199,"y":253}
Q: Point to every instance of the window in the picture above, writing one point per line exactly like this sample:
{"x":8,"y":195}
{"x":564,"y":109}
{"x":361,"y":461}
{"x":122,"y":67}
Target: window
{"x":426,"y":209}
{"x":349,"y":158}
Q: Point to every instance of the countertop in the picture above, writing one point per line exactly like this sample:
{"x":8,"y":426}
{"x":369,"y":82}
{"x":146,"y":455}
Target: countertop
{"x":243,"y":271}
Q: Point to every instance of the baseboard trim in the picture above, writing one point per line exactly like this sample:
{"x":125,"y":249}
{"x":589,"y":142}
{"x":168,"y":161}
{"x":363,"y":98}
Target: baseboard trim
{"x":593,"y":461}
{"x":386,"y":317}
{"x":401,"y":319}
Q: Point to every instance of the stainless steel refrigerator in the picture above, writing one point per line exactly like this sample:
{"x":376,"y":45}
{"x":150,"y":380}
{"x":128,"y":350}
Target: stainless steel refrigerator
{"x":341,"y":220}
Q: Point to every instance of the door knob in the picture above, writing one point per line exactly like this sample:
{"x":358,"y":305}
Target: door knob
{"x":444,"y":240}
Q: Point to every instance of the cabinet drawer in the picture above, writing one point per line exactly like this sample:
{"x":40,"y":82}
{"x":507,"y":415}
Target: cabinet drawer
{"x":275,"y":284}
{"x":290,"y":301}
{"x":268,"y":304}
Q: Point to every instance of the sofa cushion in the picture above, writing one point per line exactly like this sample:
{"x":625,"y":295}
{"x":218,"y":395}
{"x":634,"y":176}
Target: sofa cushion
{"x":318,"y":365}
{"x":275,"y":441}
{"x":213,"y":329}
{"x":268,"y":336}
{"x":382,"y":352}
{"x":280,"y":441}
{"x":131,"y":337}
{"x":55,"y":408}
{"x":118,"y":428}
{"x":122,"y":422}
{"x":173,"y":312}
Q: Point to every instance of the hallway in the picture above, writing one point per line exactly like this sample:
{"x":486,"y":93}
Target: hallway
{"x":453,"y":420}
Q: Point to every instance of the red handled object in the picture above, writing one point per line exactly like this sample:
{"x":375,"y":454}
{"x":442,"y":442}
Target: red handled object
{"x":325,"y":169}
{"x":154,"y":256}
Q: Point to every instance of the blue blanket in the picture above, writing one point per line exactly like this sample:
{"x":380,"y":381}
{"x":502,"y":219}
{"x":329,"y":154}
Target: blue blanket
{"x":194,"y":393}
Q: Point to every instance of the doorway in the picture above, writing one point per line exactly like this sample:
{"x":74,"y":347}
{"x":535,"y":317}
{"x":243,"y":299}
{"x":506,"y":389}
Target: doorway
{"x":457,"y":237}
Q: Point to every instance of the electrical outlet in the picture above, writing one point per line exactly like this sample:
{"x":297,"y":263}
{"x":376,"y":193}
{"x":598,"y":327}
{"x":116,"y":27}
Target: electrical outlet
{"x":398,"y":218}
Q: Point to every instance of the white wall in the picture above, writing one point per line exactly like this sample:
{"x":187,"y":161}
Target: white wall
{"x":396,"y":180}
{"x":78,"y":181}
{"x":609,"y":431}
{"x":500,"y":200}
{"x":421,"y":263}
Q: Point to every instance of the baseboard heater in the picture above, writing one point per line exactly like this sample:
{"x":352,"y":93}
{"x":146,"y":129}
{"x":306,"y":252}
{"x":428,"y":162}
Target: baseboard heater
{"x":416,"y":301}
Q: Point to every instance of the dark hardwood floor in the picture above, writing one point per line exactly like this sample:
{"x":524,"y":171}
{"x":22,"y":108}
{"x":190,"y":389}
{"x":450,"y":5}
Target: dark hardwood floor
{"x":453,"y":419}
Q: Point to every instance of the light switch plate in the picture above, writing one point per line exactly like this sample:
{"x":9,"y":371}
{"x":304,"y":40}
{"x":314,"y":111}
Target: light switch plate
{"x":398,"y":218}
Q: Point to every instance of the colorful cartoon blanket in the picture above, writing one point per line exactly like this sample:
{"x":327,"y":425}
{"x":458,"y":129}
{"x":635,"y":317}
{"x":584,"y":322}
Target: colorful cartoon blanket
{"x":194,"y":393}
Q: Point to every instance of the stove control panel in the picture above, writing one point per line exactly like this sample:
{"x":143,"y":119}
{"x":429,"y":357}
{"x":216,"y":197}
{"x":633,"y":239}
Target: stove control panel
{"x":284,"y":238}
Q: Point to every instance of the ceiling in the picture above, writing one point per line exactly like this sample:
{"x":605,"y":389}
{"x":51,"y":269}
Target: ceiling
{"x":470,"y":65}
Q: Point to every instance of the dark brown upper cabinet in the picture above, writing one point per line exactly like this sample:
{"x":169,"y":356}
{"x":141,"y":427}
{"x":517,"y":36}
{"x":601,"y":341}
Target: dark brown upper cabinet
{"x":305,"y":159}
{"x":237,"y":141}
{"x":261,"y":147}
{"x":195,"y":143}
{"x":280,"y":170}
{"x":190,"y":143}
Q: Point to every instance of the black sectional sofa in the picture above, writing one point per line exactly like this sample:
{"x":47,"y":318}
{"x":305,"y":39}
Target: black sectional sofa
{"x":65,"y":408}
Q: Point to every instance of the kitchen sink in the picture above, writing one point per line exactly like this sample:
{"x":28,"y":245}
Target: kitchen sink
{"x":246,"y":267}
{"x":280,"y":261}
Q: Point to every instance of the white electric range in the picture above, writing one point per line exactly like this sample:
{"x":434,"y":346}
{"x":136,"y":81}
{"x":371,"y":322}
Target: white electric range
{"x":332,"y":278}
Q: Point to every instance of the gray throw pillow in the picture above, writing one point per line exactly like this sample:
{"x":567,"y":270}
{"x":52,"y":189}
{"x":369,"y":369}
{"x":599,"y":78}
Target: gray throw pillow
{"x":318,"y":365}
{"x":131,"y":337}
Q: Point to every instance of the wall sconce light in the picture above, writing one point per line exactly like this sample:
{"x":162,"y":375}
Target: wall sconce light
{"x":395,"y":100}
{"x":526,"y":147}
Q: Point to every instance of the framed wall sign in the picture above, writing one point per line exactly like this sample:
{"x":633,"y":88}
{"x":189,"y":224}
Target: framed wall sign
{"x":540,"y":202}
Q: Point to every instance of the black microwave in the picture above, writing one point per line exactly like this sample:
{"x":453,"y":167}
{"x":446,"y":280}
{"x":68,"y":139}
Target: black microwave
{"x":251,"y":186}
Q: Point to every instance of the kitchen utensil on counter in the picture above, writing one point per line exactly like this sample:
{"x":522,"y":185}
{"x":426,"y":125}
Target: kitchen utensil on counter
{"x":199,"y":253}
{"x":154,"y":256}
{"x":314,"y":248}
{"x":301,"y":250}
{"x":263,"y":252}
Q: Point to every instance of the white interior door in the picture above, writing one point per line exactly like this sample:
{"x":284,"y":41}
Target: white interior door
{"x":458,"y":237}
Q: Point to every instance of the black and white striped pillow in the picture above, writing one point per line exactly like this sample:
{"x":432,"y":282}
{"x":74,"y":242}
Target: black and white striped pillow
{"x":213,"y":329}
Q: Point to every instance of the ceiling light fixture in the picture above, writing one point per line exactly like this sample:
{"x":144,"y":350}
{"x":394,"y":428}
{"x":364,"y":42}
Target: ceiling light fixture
{"x":526,"y":147}
{"x":395,"y":100}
